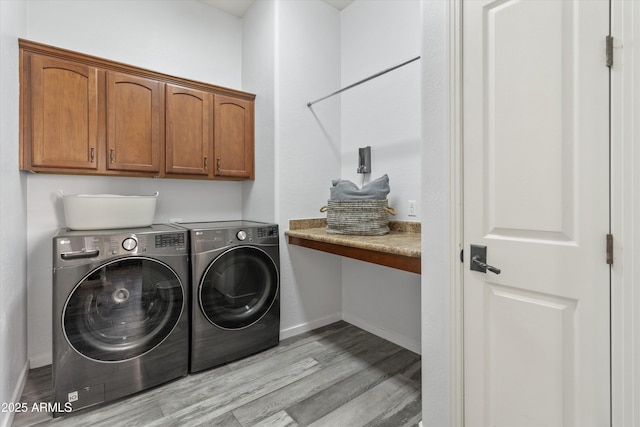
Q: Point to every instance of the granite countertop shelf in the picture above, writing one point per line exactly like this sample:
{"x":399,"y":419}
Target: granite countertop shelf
{"x":399,"y":249}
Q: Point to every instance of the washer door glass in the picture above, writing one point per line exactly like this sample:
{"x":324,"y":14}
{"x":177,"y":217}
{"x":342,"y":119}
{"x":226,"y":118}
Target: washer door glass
{"x":238,"y":288}
{"x":123,"y":309}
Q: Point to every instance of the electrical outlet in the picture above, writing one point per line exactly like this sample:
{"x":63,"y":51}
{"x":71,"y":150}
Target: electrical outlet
{"x":412,"y":208}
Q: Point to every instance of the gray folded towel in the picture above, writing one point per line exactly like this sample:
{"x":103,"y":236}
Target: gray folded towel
{"x":378,"y":189}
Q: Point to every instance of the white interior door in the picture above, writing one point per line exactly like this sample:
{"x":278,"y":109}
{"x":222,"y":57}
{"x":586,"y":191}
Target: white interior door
{"x":536,"y":194}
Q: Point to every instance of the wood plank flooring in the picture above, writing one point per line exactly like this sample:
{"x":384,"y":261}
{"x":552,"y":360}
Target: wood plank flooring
{"x":335,"y":376}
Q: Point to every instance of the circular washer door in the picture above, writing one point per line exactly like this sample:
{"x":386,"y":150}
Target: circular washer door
{"x":238,"y":288}
{"x":123,"y":309}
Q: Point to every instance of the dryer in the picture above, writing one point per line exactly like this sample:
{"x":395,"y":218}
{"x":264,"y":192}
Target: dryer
{"x":120,"y":313}
{"x":235,"y":274}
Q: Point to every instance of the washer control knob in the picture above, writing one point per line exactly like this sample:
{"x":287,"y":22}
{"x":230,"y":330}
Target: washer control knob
{"x":129,"y":244}
{"x":241,"y":235}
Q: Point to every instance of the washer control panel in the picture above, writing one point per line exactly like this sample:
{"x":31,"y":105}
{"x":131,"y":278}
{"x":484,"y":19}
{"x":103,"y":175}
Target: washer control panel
{"x":76,"y":249}
{"x":170,"y":240}
{"x":144,"y":243}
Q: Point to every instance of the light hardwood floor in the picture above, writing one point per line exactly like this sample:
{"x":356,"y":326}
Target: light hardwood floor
{"x":335,"y":376}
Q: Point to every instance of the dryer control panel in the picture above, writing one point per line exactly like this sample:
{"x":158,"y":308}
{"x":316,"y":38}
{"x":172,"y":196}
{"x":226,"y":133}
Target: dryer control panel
{"x":204,"y":240}
{"x":269,"y":232}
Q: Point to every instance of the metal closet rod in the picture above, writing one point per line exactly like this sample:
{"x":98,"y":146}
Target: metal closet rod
{"x":309,"y":104}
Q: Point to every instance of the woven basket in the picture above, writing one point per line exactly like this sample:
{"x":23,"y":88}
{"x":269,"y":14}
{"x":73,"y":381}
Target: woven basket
{"x":359,"y":217}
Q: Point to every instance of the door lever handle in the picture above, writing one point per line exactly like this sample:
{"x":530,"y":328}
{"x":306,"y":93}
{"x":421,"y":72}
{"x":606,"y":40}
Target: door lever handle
{"x":484,"y":266}
{"x":479,"y":260}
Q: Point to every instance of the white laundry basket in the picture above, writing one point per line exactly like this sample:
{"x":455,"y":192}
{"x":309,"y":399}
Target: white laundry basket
{"x":107,"y":211}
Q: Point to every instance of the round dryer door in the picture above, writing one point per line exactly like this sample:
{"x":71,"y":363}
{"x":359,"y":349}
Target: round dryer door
{"x":238,"y":288}
{"x":123,"y":309}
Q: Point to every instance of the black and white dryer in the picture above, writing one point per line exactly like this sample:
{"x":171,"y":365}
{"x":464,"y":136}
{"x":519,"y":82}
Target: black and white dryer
{"x":235,"y":302}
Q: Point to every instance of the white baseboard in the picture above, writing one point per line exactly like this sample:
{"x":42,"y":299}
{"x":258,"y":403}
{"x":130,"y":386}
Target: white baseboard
{"x":7,"y":418}
{"x":395,"y":338}
{"x":306,"y":327}
{"x":40,"y":360}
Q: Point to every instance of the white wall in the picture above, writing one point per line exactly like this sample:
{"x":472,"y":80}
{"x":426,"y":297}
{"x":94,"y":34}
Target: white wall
{"x":307,"y":147}
{"x":438,"y":211}
{"x":383,"y":301}
{"x":384,"y":113}
{"x":295,"y":52}
{"x":13,"y":245}
{"x":258,"y":76}
{"x":185,"y":38}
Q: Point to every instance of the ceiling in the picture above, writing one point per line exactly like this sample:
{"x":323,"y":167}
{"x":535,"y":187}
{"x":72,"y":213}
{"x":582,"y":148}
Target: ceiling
{"x":239,"y":7}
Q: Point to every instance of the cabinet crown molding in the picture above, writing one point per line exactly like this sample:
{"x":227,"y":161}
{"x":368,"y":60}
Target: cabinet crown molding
{"x":107,"y":64}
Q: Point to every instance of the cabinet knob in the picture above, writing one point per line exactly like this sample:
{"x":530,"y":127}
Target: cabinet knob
{"x":92,"y":154}
{"x":111,"y":155}
{"x":206,"y":163}
{"x":218,"y":164}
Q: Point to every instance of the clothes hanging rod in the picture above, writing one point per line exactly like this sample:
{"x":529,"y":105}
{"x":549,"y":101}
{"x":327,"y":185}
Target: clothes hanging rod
{"x":309,"y":104}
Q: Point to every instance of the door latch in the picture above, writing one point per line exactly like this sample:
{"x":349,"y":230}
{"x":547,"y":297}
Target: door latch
{"x":479,"y":260}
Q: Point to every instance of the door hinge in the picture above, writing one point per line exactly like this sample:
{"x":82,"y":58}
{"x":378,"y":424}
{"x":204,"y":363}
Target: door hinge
{"x":610,"y":249}
{"x":609,"y":48}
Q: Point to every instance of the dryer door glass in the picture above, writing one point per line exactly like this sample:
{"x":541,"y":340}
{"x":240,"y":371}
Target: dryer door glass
{"x":238,"y":288}
{"x":123,"y":309}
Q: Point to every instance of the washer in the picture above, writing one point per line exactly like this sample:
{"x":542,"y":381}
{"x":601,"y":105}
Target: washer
{"x":235,"y":271}
{"x":120,"y":313}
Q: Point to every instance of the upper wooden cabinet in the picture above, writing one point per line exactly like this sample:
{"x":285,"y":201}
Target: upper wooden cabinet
{"x":61,"y":119}
{"x":86,"y":115}
{"x":134,"y":113}
{"x":189,"y":131}
{"x":234,"y":119}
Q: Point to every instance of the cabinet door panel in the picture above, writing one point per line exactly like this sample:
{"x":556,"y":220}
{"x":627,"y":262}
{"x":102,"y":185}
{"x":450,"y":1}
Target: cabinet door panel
{"x":233,"y":137}
{"x":64,"y":114}
{"x":133,"y":123}
{"x":189,"y":138}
